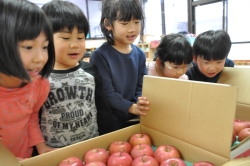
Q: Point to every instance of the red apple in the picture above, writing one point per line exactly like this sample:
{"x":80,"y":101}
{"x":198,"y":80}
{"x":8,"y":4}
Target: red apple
{"x":165,"y":152}
{"x":244,"y":133}
{"x":140,"y":150}
{"x":71,"y":161}
{"x":119,"y":159}
{"x":119,"y":146}
{"x":140,"y":138}
{"x":203,"y":163}
{"x":233,"y":137}
{"x":239,"y":125}
{"x":95,"y":163}
{"x":173,"y":162}
{"x":97,"y":154}
{"x":144,"y":161}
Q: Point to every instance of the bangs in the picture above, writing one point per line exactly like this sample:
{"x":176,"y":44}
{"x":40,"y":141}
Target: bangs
{"x":33,"y":24}
{"x":127,"y":11}
{"x":175,"y":49}
{"x":70,"y":21}
{"x":68,"y":17}
{"x":212,"y":45}
{"x":179,"y":57}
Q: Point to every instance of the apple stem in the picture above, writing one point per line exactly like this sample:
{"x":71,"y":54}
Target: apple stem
{"x":168,"y":149}
{"x":143,"y":157}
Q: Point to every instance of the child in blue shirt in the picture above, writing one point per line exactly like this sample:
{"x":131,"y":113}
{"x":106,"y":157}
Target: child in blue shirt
{"x":210,"y":51}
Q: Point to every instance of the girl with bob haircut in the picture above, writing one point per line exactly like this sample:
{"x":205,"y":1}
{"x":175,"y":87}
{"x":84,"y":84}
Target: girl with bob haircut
{"x":120,"y":63}
{"x":173,"y":57}
{"x":27,"y":57}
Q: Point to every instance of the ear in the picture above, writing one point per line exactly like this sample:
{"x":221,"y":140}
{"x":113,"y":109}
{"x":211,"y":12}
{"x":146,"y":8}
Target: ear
{"x":158,"y":62}
{"x":107,"y":25}
{"x":194,"y":59}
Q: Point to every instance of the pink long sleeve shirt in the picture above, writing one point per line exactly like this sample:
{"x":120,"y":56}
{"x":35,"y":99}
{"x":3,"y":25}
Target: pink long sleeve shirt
{"x":19,"y":107}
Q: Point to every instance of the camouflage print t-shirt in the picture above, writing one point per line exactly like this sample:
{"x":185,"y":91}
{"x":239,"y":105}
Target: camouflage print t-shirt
{"x":69,"y":114}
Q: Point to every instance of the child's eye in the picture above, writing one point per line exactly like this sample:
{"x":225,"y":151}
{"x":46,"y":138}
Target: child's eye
{"x":27,"y":47}
{"x":137,"y":22}
{"x":175,"y":67}
{"x":80,"y":38}
{"x":45,"y":47}
{"x":124,"y":23}
{"x":65,"y":38}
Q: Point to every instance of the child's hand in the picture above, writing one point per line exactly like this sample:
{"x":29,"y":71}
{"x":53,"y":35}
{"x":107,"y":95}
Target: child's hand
{"x":43,"y":148}
{"x":141,"y":106}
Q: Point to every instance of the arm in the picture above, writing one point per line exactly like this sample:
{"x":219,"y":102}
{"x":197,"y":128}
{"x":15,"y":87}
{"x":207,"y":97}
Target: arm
{"x":41,"y":88}
{"x":107,"y":69}
{"x":104,"y":113}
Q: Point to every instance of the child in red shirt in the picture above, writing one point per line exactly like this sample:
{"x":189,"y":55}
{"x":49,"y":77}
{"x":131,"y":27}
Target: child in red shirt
{"x":27,"y":56}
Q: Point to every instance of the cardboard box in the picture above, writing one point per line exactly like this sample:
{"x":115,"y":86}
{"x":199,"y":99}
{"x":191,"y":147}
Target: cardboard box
{"x":239,"y":77}
{"x":195,"y":117}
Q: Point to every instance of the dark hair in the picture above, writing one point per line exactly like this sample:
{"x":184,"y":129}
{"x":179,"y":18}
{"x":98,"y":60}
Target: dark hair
{"x":64,"y":14}
{"x":122,"y":10}
{"x":174,"y":48}
{"x":212,"y":45}
{"x":22,"y":20}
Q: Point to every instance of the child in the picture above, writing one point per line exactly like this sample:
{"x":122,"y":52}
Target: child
{"x":27,"y":57}
{"x":121,"y":64}
{"x":210,"y":51}
{"x":173,"y":57}
{"x":76,"y":108}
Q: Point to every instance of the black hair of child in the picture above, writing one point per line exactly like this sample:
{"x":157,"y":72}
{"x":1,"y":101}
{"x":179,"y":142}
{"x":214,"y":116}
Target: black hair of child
{"x":212,"y":45}
{"x":22,"y":20}
{"x":174,"y":48}
{"x":122,"y":10}
{"x":65,"y":14}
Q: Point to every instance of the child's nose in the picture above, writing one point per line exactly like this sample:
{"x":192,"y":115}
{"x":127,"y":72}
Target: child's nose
{"x":74,"y":45}
{"x":40,"y":56}
{"x":132,"y":28}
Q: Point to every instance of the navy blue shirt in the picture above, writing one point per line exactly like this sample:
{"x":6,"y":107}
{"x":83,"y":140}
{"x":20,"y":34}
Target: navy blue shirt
{"x":122,"y":77}
{"x":195,"y":74}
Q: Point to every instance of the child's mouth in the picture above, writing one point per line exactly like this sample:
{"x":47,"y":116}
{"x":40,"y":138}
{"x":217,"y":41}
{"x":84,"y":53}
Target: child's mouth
{"x":73,"y":56}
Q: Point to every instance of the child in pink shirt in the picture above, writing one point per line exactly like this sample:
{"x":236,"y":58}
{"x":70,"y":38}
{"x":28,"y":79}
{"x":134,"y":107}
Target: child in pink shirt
{"x":173,"y":57}
{"x":27,"y":56}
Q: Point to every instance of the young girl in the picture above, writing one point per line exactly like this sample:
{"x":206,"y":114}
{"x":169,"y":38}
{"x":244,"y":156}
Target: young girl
{"x":121,"y":64}
{"x":173,"y":57}
{"x":27,"y":56}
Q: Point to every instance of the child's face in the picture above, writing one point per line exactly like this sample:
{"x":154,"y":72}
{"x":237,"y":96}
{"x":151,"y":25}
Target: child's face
{"x":126,"y":32}
{"x":34,"y":54}
{"x":69,"y":48}
{"x":210,"y":68}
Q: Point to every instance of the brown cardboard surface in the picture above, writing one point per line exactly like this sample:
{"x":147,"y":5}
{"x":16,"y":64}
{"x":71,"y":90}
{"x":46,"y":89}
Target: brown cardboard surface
{"x":189,"y":115}
{"x":194,"y":112}
{"x":239,"y":77}
{"x":78,"y":150}
{"x":7,"y":158}
{"x":238,"y":162}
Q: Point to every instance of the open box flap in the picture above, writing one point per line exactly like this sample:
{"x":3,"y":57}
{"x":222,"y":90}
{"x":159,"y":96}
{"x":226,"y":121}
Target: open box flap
{"x":6,"y":157}
{"x":200,"y":114}
{"x":238,"y":162}
{"x":239,"y":77}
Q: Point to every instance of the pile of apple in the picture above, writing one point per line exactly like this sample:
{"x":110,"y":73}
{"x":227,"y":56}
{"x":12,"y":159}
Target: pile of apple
{"x":136,"y":152}
{"x":241,"y":130}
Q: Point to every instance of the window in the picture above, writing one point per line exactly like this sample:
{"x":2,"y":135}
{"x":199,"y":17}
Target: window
{"x":206,"y":20}
{"x":176,"y":16}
